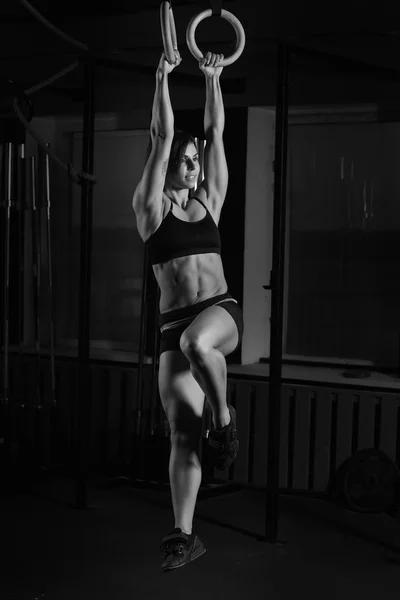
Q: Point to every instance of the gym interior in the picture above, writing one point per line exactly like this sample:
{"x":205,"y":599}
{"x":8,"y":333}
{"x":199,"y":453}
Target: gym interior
{"x":309,"y":245}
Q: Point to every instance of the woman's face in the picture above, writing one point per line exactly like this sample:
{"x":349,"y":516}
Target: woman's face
{"x":189,"y":169}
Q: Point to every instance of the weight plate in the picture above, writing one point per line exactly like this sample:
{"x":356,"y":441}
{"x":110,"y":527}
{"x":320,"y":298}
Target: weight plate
{"x":368,"y":481}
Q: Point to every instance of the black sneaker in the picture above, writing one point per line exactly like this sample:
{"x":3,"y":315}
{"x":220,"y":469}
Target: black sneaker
{"x":179,"y":548}
{"x":224,"y":445}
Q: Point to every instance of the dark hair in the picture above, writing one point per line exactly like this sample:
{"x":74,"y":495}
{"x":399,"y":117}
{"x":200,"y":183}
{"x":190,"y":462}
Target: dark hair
{"x":180,"y":142}
{"x":179,"y":145}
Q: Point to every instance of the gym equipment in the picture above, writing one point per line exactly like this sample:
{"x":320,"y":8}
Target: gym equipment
{"x":168,"y":31}
{"x":142,"y":338}
{"x":151,"y":448}
{"x":36,"y":273}
{"x":21,"y":192}
{"x":50,"y":282}
{"x":228,"y":16}
{"x":367,"y":482}
{"x":6,"y":190}
{"x":77,"y":176}
{"x":83,"y":405}
{"x":9,"y":151}
{"x":13,"y":90}
{"x":277,"y":296}
{"x":26,"y":416}
{"x":154,"y":409}
{"x":81,"y":47}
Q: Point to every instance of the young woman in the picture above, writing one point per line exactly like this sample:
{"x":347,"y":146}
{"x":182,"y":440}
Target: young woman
{"x":200,"y":322}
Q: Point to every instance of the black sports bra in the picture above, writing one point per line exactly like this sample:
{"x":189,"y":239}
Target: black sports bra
{"x":175,"y":238}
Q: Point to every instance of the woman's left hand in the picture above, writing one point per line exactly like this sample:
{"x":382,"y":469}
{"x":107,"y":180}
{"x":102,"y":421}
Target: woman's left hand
{"x":209,"y":64}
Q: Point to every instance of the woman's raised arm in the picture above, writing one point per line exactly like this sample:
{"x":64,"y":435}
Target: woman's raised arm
{"x":162,"y":121}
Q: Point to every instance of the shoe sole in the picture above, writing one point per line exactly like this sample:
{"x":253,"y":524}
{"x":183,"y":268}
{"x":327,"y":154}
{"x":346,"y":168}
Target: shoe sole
{"x":196,"y":554}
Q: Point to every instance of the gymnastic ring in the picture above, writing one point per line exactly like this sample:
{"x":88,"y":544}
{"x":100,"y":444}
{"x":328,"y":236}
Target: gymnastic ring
{"x":168,"y":31}
{"x":236,"y":24}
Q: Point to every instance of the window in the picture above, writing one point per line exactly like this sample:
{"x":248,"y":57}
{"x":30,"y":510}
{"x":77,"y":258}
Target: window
{"x":344,"y":266}
{"x":117,"y":250}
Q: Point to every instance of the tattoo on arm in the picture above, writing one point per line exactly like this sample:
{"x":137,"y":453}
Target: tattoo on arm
{"x":161,"y":135}
{"x":164,"y":167}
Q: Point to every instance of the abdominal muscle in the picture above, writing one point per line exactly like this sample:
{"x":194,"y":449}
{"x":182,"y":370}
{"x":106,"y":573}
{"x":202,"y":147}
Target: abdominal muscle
{"x":189,"y":279}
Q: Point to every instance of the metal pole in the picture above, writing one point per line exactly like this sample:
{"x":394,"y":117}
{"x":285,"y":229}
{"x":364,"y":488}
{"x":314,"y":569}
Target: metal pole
{"x":6,"y":293}
{"x":154,"y":386}
{"x":5,"y":416}
{"x":137,"y":456}
{"x":84,"y":393}
{"x":36,"y":264}
{"x":277,"y":293}
{"x":142,"y":342}
{"x":50,"y":283}
{"x":21,"y":257}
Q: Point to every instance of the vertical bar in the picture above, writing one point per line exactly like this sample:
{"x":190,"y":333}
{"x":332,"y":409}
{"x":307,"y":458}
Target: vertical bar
{"x":154,"y":386}
{"x":277,"y":293}
{"x":50,"y":281}
{"x":21,"y":183}
{"x":398,"y":366}
{"x":142,"y":343}
{"x":137,"y":454}
{"x":84,"y":395}
{"x":6,"y":296}
{"x":5,"y":416}
{"x":36,"y":270}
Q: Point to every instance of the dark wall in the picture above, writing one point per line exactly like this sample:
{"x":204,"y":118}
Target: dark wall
{"x":314,"y":78}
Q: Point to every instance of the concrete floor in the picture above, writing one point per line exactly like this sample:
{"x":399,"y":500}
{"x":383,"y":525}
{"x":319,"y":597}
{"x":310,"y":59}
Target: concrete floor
{"x":111,"y":550}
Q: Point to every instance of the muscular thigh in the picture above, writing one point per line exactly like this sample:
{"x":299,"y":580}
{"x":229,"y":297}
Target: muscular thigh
{"x":181,"y":396}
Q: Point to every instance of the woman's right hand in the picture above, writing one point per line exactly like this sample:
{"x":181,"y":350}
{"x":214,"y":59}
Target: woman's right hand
{"x":165,"y":67}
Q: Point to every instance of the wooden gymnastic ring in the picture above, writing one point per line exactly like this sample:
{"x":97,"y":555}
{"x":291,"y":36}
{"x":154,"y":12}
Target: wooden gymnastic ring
{"x":236,"y":24}
{"x":168,"y":31}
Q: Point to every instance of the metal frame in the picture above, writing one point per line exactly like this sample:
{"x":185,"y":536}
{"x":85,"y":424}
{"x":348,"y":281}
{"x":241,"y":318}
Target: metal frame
{"x":277,"y":297}
{"x":7,"y":152}
{"x":84,"y":396}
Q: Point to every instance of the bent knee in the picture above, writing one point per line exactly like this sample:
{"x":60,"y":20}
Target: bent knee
{"x":190,"y":346}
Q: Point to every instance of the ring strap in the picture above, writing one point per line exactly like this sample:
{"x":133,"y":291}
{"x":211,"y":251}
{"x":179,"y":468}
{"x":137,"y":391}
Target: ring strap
{"x":168,"y":31}
{"x":216,"y":6}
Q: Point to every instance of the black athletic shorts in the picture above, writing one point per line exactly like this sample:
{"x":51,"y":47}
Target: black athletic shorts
{"x":178,"y":320}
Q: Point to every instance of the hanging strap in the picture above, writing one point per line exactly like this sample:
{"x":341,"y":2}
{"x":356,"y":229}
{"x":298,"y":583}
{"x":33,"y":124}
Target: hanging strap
{"x":216,"y":6}
{"x":76,"y":175}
